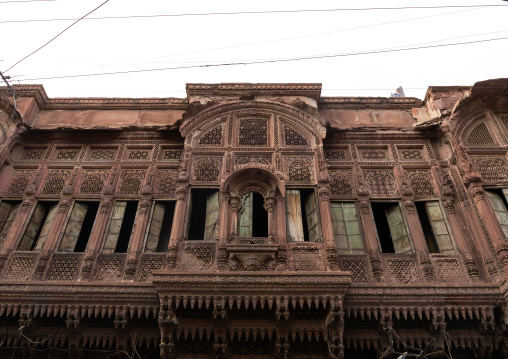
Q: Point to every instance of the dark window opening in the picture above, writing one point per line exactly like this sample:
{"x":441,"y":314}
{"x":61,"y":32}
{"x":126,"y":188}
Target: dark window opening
{"x":259,"y":216}
{"x":38,"y":227}
{"x":167,"y":224}
{"x":86,"y":229}
{"x":159,"y":228}
{"x":302,"y":217}
{"x":204,"y":205}
{"x":427,"y":228}
{"x":8,"y":211}
{"x":127,"y":224}
{"x":383,"y":229}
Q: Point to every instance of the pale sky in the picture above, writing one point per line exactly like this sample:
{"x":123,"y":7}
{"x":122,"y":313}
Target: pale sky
{"x":110,"y":45}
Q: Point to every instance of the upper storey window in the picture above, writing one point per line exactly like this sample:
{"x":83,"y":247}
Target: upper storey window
{"x":346,"y":227}
{"x":391,"y":228}
{"x":159,"y":227}
{"x":37,"y":229}
{"x":499,"y":202}
{"x":203,"y":211}
{"x":120,"y":227}
{"x":8,"y":211}
{"x":302,"y":218}
{"x":253,"y":132}
{"x":252,"y":217}
{"x":79,"y":226}
{"x":434,"y":227}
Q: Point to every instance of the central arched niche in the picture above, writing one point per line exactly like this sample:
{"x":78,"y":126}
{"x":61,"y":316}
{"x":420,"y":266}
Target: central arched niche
{"x":253,"y":189}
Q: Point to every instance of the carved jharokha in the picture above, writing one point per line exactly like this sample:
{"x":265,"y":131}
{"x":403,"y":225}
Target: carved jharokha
{"x":255,"y":221}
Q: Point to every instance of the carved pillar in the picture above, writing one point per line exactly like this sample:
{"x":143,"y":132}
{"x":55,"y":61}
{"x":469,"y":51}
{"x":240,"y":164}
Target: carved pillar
{"x":235,"y":204}
{"x":224,"y":216}
{"x":270,"y":205}
{"x":178,"y":223}
{"x":282,"y":259}
{"x":332,"y":262}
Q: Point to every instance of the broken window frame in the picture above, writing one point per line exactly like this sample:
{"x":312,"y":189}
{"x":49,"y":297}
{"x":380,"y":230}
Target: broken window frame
{"x":440,"y":247}
{"x":294,"y":236}
{"x":38,"y":241}
{"x":501,"y":192}
{"x":111,"y":249}
{"x":214,"y":235}
{"x":158,"y":245}
{"x":406,"y":227}
{"x":68,"y":219}
{"x":6,"y":223}
{"x":335,"y":222}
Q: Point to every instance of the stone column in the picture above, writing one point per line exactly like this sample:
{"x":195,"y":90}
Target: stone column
{"x":178,"y":223}
{"x":270,"y":206}
{"x":332,"y":261}
{"x":235,"y":203}
{"x":224,"y":220}
{"x":281,"y":239}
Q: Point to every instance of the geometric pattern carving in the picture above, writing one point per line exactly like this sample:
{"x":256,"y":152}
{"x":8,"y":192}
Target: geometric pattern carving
{"x":102,"y":154}
{"x":131,"y":181}
{"x":20,"y":266}
{"x":92,"y":181}
{"x":243,"y":159}
{"x":110,"y":267}
{"x":253,"y":132}
{"x":480,"y":136}
{"x":293,"y":138}
{"x":55,"y":181}
{"x":492,"y":169}
{"x":381,"y":182}
{"x":421,"y":182}
{"x":336,"y":155}
{"x":504,"y":120}
{"x":402,"y":270}
{"x":207,"y":169}
{"x":64,"y":266}
{"x":138,"y":155}
{"x":341,"y":183}
{"x":305,"y":258}
{"x":198,"y":256}
{"x":448,"y":269}
{"x":171,"y":154}
{"x":374,"y":155}
{"x":212,"y":138}
{"x":166,"y":181}
{"x":66,"y":155}
{"x":20,"y":180}
{"x":33,"y":155}
{"x":150,"y":263}
{"x":411,"y":155}
{"x":299,"y":169}
{"x":358,"y":268}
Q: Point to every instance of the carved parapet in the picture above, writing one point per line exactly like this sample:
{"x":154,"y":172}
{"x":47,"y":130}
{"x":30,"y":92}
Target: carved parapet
{"x":426,"y":265}
{"x":42,"y":265}
{"x":251,"y":257}
{"x":332,"y":258}
{"x":88,"y":265}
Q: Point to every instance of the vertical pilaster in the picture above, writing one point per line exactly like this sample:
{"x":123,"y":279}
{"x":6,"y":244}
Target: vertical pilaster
{"x":332,"y":262}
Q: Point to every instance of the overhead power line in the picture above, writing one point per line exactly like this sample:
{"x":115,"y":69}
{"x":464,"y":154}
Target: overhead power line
{"x":269,"y":61}
{"x":257,"y":13}
{"x":60,"y":33}
{"x":23,"y":1}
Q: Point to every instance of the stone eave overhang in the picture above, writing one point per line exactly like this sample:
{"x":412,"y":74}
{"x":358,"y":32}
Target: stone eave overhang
{"x":360,"y":103}
{"x":311,"y":90}
{"x":230,"y":287}
{"x":83,"y":103}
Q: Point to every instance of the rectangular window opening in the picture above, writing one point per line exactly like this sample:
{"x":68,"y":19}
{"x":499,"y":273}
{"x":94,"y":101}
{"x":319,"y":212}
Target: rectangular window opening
{"x":203,"y":214}
{"x":8,"y":211}
{"x":346,"y":228}
{"x":79,"y":227}
{"x":302,"y":216}
{"x":498,"y":199}
{"x":426,"y":227}
{"x":120,"y":227}
{"x":391,"y":228}
{"x":38,"y":227}
{"x":159,"y":228}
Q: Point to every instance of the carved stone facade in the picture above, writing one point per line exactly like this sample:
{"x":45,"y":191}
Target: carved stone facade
{"x":255,"y":221}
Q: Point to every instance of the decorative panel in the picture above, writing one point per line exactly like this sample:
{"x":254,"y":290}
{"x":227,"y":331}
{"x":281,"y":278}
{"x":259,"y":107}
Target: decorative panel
{"x":64,"y":266}
{"x":493,"y":169}
{"x":170,"y":155}
{"x":131,"y":181}
{"x":381,"y":182}
{"x":373,"y":154}
{"x":207,"y":169}
{"x":33,"y":154}
{"x":197,"y":256}
{"x":93,"y":181}
{"x":213,"y":137}
{"x":421,"y":183}
{"x":138,"y":154}
{"x":402,"y":270}
{"x":66,"y":154}
{"x":110,"y":267}
{"x":244,"y":159}
{"x":102,"y":154}
{"x":357,"y":266}
{"x":150,"y":263}
{"x":341,"y":182}
{"x":253,"y":132}
{"x":299,"y":169}
{"x":337,"y":155}
{"x":20,"y":180}
{"x":294,"y":138}
{"x":412,"y":154}
{"x":20,"y":266}
{"x":448,"y":268}
{"x":55,"y":181}
{"x":306,"y":258}
{"x":480,"y":135}
{"x":166,"y":181}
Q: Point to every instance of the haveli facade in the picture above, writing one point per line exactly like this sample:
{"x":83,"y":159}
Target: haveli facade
{"x":254,"y":221}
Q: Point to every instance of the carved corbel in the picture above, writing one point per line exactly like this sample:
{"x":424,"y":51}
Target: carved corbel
{"x":375,"y":265}
{"x":282,"y":310}
{"x":172,"y":256}
{"x":88,"y":265}
{"x":334,"y":325}
{"x":282,"y":346}
{"x":219,"y":310}
{"x":426,"y":265}
{"x":220,"y":347}
{"x":42,"y":264}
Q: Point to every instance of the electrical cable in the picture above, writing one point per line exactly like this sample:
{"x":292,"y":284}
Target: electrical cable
{"x":258,"y":12}
{"x":22,"y":1}
{"x":268,"y":61}
{"x":67,"y":28}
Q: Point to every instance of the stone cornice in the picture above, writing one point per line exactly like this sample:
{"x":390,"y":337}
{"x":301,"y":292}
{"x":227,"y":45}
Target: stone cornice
{"x":311,"y":90}
{"x":395,"y":103}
